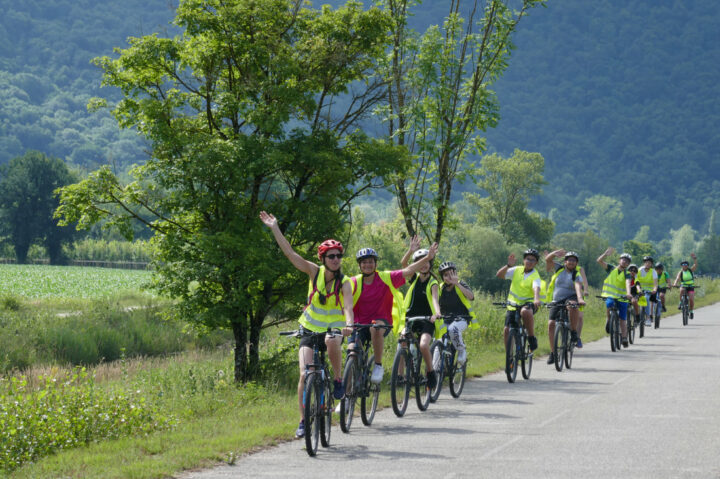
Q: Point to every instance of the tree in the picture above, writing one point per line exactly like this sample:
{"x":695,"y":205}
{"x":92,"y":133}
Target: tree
{"x":682,"y":242}
{"x":604,"y":215}
{"x":439,"y":100}
{"x":509,"y":185}
{"x":638,"y":249}
{"x":241,"y":113}
{"x":28,"y":201}
{"x":643,"y":234}
{"x":709,"y":254}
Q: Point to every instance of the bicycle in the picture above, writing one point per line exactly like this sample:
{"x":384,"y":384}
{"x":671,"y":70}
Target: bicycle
{"x":356,"y":378}
{"x":685,"y":307}
{"x":447,"y":365}
{"x":406,"y":371}
{"x":635,"y":321}
{"x":614,"y":326}
{"x":564,"y":347}
{"x":657,"y":310}
{"x":517,"y":347}
{"x":317,"y":397}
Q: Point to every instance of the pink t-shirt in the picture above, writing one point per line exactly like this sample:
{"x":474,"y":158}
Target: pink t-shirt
{"x":376,"y":299}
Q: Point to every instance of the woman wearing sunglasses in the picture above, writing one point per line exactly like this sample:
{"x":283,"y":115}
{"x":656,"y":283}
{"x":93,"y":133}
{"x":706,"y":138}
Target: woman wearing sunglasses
{"x":329,"y":305}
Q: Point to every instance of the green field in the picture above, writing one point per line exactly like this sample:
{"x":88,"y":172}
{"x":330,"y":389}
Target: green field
{"x":42,"y":281}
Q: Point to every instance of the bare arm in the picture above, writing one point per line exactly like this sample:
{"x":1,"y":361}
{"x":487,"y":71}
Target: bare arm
{"x":348,"y":304}
{"x":409,"y":271}
{"x":602,"y":257}
{"x":586,"y":286}
{"x":435,"y":300}
{"x":677,"y":279}
{"x":414,"y":246}
{"x":578,"y":291}
{"x":466,"y":292}
{"x":510,"y":263}
{"x":694,"y":266}
{"x":298,"y":261}
{"x":549,"y":264}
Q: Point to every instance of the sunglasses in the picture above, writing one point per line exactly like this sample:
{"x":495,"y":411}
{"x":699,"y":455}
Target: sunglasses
{"x":333,"y":256}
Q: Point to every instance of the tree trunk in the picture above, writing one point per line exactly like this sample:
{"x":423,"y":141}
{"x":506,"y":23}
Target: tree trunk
{"x":254,"y":346}
{"x":241,"y":369}
{"x":21,"y":252}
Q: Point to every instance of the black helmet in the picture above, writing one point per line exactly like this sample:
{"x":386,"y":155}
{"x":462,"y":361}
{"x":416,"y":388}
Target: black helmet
{"x":659,"y":265}
{"x":626,"y":256}
{"x":446,"y":266}
{"x":531,"y":252}
{"x":633,"y":266}
{"x":366,"y":253}
{"x":572,"y":254}
{"x":685,"y":262}
{"x":648,"y":258}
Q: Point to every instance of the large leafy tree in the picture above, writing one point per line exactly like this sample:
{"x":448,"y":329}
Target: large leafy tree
{"x":603,"y":216}
{"x":439,"y":98}
{"x":28,"y":200}
{"x":242,"y":113}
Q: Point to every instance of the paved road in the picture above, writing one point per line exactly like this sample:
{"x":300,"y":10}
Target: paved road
{"x":651,"y":411}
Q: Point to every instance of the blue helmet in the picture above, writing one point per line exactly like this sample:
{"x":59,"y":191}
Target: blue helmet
{"x":366,"y":253}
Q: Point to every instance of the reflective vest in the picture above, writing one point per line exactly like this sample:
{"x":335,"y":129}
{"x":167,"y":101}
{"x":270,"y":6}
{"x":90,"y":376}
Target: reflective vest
{"x":687,"y":278}
{"x":398,"y":302}
{"x":646,"y":281}
{"x":472,"y":324}
{"x":614,"y":286}
{"x":521,"y":288}
{"x":399,"y":325}
{"x":319,"y":317}
{"x":551,"y":286}
{"x":663,"y":279}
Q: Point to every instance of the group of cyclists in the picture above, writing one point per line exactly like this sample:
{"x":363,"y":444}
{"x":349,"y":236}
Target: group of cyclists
{"x":336,"y":301}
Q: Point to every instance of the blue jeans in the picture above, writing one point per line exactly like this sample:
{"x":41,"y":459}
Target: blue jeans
{"x":621,"y":306}
{"x":648,"y":307}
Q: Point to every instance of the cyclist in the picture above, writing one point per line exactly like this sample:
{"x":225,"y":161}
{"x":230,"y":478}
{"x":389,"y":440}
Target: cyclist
{"x":664,"y":280}
{"x":635,"y":289}
{"x":648,"y":279}
{"x":329,"y":305}
{"x":524,"y":292}
{"x":376,"y":298}
{"x":616,"y":290}
{"x":686,"y":278}
{"x":421,"y":299}
{"x":565,"y":286}
{"x":455,"y":297}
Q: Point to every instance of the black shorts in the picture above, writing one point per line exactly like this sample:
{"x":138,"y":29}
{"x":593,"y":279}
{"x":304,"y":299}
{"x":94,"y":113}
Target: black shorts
{"x":688,"y":288}
{"x":556,"y":309}
{"x":363,"y":334}
{"x":510,"y":314}
{"x":308,"y":341}
{"x":662,"y":290}
{"x":421,"y":327}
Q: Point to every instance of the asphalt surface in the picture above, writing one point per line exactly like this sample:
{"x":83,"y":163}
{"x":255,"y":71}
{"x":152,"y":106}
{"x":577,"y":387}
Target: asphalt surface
{"x":650,"y":411}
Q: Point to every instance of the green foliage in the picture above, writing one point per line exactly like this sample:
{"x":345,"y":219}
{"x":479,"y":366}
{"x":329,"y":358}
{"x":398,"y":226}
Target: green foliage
{"x":638,"y":249}
{"x":28,"y":200}
{"x":103,"y":250}
{"x":709,"y":254}
{"x":682,"y":243}
{"x":588,"y":246}
{"x":67,"y":412}
{"x":603,"y":216}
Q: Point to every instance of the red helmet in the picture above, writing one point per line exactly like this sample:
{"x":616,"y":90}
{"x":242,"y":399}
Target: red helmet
{"x":327,"y":245}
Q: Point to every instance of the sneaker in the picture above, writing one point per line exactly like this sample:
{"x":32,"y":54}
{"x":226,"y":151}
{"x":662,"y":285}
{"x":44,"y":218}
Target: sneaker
{"x":625,"y":343}
{"x":532,"y":342}
{"x":431,"y":379}
{"x":551,"y":358}
{"x":338,"y":389}
{"x":462,"y":356}
{"x":663,"y":309}
{"x":692,"y":315}
{"x":579,"y":343}
{"x":573,"y":336}
{"x":607,"y":327}
{"x":300,"y":431}
{"x":377,"y":374}
{"x":648,"y":322}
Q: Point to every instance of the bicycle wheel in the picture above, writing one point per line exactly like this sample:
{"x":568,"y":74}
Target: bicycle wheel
{"x":422,"y":391}
{"x":642,"y":323}
{"x":511,"y":363}
{"x":611,"y":322}
{"x":311,"y":407}
{"x":569,"y":350}
{"x":658,"y":312}
{"x":457,"y":377}
{"x":347,"y":404}
{"x":436,"y":353}
{"x":685,"y":313}
{"x":325,"y":412}
{"x":526,"y":357}
{"x":400,"y":382}
{"x":632,"y":323}
{"x":369,"y":400}
{"x":618,"y":334}
{"x":559,"y":346}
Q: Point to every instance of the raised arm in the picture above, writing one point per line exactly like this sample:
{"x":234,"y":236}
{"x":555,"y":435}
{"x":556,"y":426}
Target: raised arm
{"x":410,"y":270}
{"x":298,"y":261}
{"x":694,"y":266}
{"x":414,"y":246}
{"x":549,"y":263}
{"x":586,"y":286}
{"x":602,"y":257}
{"x":510,"y":263}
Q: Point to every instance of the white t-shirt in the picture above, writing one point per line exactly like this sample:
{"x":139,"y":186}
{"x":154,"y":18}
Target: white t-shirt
{"x":509,"y":274}
{"x":644,"y":272}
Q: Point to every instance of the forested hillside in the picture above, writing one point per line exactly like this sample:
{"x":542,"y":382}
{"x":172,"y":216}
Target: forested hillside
{"x":620,"y":98}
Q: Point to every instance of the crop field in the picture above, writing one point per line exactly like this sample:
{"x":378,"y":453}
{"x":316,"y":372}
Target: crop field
{"x":44,"y":282}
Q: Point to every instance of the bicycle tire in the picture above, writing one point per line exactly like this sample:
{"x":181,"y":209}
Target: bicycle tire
{"x":400,"y":382}
{"x":457,"y":377}
{"x":611,"y":321}
{"x":371,"y":395}
{"x":658,"y":313}
{"x":618,"y":334}
{"x":311,"y":403}
{"x":526,"y":358}
{"x":685,"y":312}
{"x":642,"y":324}
{"x":347,"y":404}
{"x":511,"y":365}
{"x":632,"y":325}
{"x":326,"y":411}
{"x":437,"y":349}
{"x":569,"y":351}
{"x":559,"y":347}
{"x":422,"y":391}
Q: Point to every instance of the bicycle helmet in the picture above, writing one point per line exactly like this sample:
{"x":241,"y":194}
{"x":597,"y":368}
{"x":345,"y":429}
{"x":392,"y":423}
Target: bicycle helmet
{"x":446,"y":266}
{"x":327,"y":245}
{"x":531,"y":252}
{"x":685,"y":263}
{"x":572,"y":254}
{"x":659,"y":266}
{"x":632,"y":266}
{"x":419,"y":254}
{"x":366,"y":253}
{"x":648,"y":258}
{"x":626,"y":256}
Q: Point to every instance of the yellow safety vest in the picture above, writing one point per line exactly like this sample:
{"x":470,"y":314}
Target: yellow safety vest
{"x":521,"y":288}
{"x":614,"y":286}
{"x":319,"y":317}
{"x":398,"y":303}
{"x":646,"y":280}
{"x":551,"y":285}
{"x":472,"y":324}
{"x":687,"y":278}
{"x":399,"y":325}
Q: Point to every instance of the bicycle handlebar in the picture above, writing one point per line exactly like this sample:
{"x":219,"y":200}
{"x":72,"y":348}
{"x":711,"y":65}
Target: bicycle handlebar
{"x":298,"y":333}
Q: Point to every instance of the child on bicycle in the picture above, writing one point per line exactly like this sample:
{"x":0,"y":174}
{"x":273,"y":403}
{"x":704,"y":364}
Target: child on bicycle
{"x":565,"y":286}
{"x":455,"y":297}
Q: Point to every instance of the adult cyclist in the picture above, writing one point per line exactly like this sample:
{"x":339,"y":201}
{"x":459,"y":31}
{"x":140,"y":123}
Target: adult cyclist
{"x":663,"y":283}
{"x":565,"y":287}
{"x":686,"y":279}
{"x":376,"y":298}
{"x":524,"y":292}
{"x":455,"y":297}
{"x":616,"y":290}
{"x":329,"y":305}
{"x":648,"y":279}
